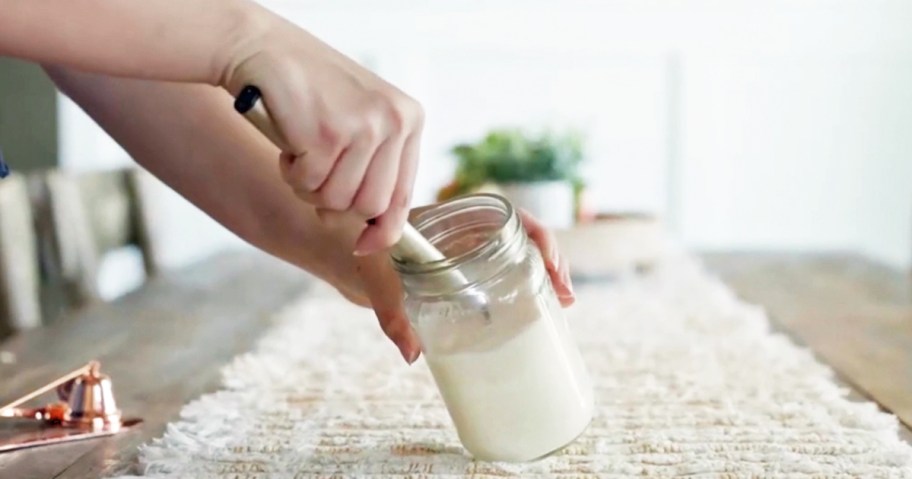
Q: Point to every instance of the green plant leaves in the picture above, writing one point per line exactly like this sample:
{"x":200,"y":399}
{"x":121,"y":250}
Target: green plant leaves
{"x":510,"y":156}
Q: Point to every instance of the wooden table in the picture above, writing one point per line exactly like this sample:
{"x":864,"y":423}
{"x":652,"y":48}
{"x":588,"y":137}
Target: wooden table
{"x":164,"y":344}
{"x":854,"y":314}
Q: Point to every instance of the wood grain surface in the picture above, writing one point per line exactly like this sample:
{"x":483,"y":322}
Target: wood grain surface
{"x":855,"y":314}
{"x":164,"y":345}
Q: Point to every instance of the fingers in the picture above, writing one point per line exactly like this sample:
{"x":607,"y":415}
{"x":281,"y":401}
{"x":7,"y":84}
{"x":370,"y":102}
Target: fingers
{"x":396,"y":327}
{"x":316,"y":145}
{"x":330,"y":173}
{"x":376,"y":191}
{"x":339,"y":190}
{"x":344,"y":130}
{"x":541,"y":236}
{"x":562,"y":284}
{"x":384,"y":291}
{"x":351,"y":160}
{"x":558,"y":268}
{"x":387,"y":228}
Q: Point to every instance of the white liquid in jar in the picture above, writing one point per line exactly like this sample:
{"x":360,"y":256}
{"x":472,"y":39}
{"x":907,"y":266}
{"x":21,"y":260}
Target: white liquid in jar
{"x":517,"y":388}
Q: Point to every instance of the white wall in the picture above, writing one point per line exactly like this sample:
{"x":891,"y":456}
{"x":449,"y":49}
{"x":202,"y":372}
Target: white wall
{"x":776,"y":124}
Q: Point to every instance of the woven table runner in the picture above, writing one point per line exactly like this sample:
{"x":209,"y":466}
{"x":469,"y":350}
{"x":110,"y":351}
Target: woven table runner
{"x":689,"y":382}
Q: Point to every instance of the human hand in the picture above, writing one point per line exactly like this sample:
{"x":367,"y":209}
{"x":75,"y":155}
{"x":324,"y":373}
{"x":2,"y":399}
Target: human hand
{"x":375,"y":284}
{"x":351,"y":139}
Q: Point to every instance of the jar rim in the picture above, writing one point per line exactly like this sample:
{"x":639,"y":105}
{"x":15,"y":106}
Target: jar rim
{"x":440,"y":210}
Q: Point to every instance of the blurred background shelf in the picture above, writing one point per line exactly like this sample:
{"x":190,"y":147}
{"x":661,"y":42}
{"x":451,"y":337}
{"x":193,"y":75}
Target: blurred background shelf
{"x":612,"y":245}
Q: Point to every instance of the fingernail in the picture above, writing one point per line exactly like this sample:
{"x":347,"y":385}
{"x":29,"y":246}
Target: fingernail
{"x":410,"y":355}
{"x":359,"y":252}
{"x":568,"y":281}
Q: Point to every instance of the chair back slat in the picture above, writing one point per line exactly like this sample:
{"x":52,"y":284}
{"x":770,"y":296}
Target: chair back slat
{"x":19,"y":274}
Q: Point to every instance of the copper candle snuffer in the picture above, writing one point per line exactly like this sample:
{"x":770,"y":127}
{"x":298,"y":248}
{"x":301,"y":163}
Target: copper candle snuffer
{"x":85,"y":409}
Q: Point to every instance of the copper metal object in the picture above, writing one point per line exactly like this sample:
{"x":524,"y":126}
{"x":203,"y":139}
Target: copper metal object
{"x":86,"y":409}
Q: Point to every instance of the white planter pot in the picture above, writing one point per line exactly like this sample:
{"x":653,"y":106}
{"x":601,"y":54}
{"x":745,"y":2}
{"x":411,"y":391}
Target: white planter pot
{"x":549,"y":201}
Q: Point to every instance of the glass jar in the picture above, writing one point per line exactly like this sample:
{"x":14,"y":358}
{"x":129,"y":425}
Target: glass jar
{"x":497,"y":343}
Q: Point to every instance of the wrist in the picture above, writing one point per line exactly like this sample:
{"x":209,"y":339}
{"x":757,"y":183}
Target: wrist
{"x":246,"y":26}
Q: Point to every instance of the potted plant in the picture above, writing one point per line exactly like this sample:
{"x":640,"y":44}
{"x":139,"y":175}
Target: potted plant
{"x":538,"y":173}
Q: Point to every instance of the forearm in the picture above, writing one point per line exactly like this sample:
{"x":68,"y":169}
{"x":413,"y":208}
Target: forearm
{"x":188,"y":40}
{"x":190,"y":137}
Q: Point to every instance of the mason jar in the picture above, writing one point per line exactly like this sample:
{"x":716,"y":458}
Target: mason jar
{"x":497,"y":343}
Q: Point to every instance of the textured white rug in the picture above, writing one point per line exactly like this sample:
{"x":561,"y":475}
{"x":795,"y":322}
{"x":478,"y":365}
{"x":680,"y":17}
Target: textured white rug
{"x":689,"y":382}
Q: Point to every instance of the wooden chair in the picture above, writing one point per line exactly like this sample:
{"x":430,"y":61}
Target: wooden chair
{"x":19,"y":274}
{"x":80,"y":217}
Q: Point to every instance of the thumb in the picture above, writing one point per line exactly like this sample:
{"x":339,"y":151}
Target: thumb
{"x":557,"y":267}
{"x":383,"y":289}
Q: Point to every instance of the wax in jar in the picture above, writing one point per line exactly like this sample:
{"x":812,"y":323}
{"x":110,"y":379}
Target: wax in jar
{"x":515,"y":385}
